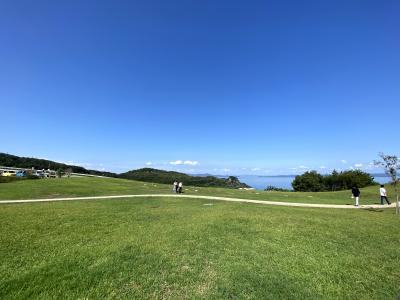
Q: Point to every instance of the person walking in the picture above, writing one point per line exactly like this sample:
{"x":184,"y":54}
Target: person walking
{"x":180,"y":185}
{"x":382,"y":192}
{"x":175,"y":188}
{"x":356,"y":194}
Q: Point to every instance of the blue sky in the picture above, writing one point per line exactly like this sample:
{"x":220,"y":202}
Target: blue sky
{"x":224,"y":87}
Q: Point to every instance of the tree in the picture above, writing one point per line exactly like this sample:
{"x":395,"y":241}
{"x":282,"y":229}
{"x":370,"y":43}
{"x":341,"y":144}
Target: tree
{"x":60,"y":172}
{"x":314,"y":182}
{"x":391,"y":165}
{"x":68,"y":172}
{"x":308,"y":182}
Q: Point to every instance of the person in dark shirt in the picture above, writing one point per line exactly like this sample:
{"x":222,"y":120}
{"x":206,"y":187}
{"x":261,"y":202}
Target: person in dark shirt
{"x":356,"y":194}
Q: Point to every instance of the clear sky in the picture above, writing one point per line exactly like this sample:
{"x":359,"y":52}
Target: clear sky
{"x":254,"y":87}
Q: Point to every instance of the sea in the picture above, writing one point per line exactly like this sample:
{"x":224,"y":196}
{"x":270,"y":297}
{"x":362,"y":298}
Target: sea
{"x":284,"y":182}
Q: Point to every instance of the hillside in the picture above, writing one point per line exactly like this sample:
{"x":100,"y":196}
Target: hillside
{"x":8,"y":160}
{"x":168,"y":177}
{"x":145,"y":174}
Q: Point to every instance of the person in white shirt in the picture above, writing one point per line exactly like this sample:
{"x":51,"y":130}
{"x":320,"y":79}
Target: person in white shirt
{"x":175,"y":188}
{"x":180,"y":185}
{"x":383,"y":193}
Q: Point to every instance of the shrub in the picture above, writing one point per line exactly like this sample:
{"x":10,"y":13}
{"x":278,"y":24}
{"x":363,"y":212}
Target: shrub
{"x":309,"y":182}
{"x":275,"y":189}
{"x":347,"y":179}
{"x":8,"y":179}
{"x":314,"y":182}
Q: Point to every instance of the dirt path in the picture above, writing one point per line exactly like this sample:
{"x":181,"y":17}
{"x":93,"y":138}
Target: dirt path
{"x":293,"y":204}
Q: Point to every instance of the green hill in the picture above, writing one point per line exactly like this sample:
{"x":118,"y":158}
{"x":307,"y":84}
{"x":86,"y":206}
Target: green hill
{"x":8,"y":160}
{"x":145,"y":174}
{"x":161,"y":176}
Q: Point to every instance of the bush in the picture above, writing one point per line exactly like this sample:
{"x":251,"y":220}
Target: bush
{"x":309,"y":182}
{"x":347,"y":179}
{"x":6,"y":179}
{"x":314,"y":182}
{"x":275,"y":189}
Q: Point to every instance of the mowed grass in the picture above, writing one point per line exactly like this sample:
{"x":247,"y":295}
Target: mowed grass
{"x":70,"y":187}
{"x":176,"y":248}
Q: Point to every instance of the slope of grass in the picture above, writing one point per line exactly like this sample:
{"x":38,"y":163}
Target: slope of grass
{"x":175,"y":249}
{"x":53,"y":188}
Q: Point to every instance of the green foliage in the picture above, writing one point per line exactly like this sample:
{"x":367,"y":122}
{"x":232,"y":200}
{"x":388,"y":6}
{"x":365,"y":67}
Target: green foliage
{"x":272,"y":188}
{"x":8,"y":160}
{"x":146,"y":174}
{"x":347,"y":179}
{"x":391,"y":165}
{"x":168,"y":177}
{"x":60,"y":172}
{"x":314,"y":182}
{"x":8,"y":179}
{"x":309,"y":182}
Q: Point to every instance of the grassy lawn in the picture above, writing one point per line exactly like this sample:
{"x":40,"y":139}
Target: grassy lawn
{"x":179,"y":248}
{"x":53,"y":188}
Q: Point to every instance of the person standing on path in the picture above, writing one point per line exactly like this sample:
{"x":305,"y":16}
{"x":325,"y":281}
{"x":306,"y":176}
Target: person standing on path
{"x":180,"y":185}
{"x":356,"y":193}
{"x":175,"y":188}
{"x":382,"y":192}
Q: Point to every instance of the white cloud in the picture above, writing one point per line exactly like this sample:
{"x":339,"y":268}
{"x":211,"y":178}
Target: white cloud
{"x":303,"y":167}
{"x":344,"y":161}
{"x":256,"y":169}
{"x":322,"y":167}
{"x":293,"y":169}
{"x":186,"y":162}
{"x":225,"y":170}
{"x":149,"y":163}
{"x":78,"y":164}
{"x":358,"y":165}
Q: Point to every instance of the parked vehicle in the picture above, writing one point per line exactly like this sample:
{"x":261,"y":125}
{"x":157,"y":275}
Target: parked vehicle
{"x":50,"y":174}
{"x":38,"y":173}
{"x":8,"y":173}
{"x":21,"y":173}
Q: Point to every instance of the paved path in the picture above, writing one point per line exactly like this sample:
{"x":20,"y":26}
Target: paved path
{"x":203,"y":197}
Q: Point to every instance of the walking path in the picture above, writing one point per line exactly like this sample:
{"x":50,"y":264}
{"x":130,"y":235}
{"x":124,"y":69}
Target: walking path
{"x":203,"y":197}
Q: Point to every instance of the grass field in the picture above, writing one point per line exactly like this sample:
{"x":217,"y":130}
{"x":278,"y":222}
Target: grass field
{"x":53,"y":188}
{"x":172,"y":248}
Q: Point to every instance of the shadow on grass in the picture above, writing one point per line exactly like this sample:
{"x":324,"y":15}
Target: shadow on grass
{"x":373,"y":209}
